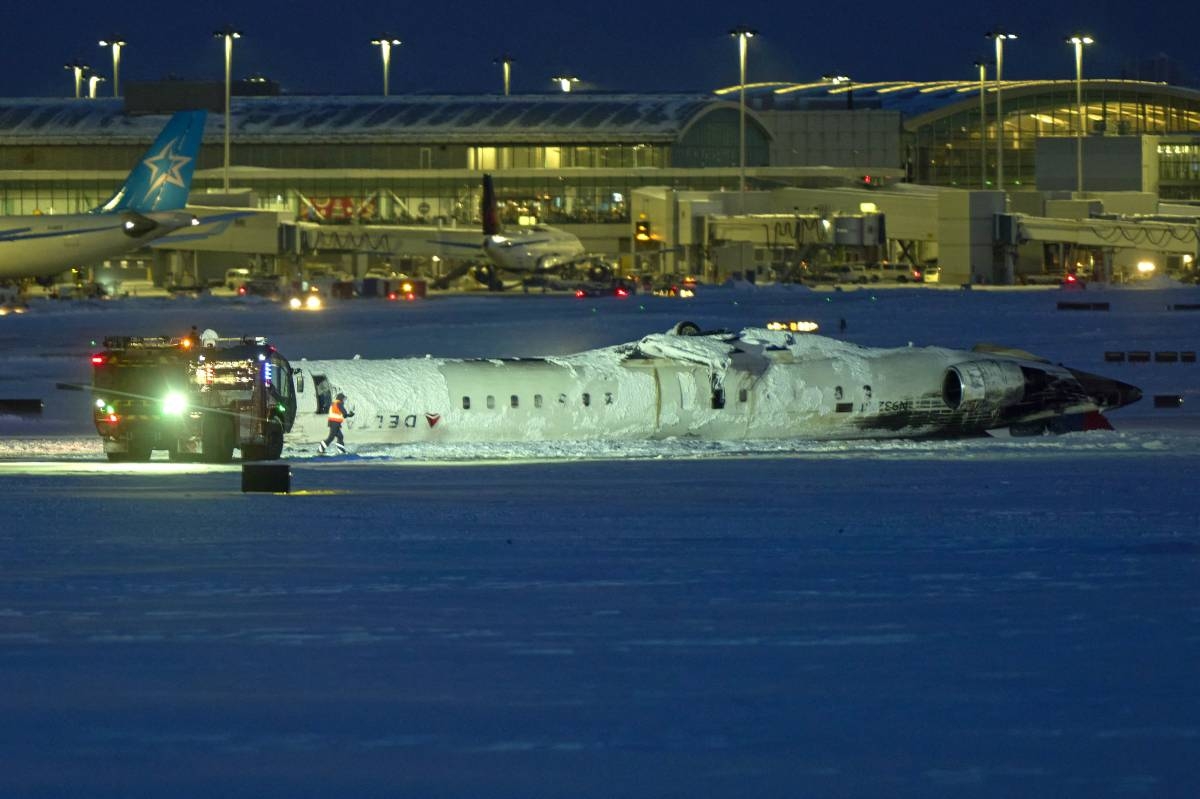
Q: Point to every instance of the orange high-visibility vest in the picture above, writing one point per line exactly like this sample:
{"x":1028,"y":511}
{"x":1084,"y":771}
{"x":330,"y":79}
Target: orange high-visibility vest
{"x":335,"y":412}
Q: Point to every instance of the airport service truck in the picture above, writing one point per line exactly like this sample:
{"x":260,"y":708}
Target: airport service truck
{"x":198,"y":397}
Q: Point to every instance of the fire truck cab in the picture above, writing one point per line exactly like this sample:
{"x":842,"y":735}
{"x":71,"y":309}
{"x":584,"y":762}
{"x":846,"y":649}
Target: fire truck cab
{"x":195,"y":397}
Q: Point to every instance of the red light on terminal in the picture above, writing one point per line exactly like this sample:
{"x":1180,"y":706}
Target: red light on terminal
{"x":98,"y":359}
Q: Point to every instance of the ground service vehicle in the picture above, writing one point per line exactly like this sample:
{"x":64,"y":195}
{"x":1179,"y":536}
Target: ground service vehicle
{"x":197,"y":397}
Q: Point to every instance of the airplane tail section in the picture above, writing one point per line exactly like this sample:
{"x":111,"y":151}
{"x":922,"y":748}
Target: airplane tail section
{"x":491,"y":217}
{"x":162,"y":178}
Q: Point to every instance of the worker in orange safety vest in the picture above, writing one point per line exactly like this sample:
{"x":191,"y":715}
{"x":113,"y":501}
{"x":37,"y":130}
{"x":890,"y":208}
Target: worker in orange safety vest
{"x":337,"y":415}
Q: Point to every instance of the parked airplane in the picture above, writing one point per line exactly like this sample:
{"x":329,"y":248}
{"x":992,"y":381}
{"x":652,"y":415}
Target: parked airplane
{"x":528,"y":252}
{"x":755,"y":384}
{"x":148,"y":206}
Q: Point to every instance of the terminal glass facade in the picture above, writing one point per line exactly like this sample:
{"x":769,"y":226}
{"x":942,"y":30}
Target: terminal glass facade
{"x":947,"y":150}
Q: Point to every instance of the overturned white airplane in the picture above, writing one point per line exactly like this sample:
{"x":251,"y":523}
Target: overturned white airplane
{"x":719,"y":385}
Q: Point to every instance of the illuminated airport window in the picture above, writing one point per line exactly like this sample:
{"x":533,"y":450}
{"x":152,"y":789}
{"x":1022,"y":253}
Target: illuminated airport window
{"x":466,"y":403}
{"x":587,"y":399}
{"x":537,"y":400}
{"x":514,"y":401}
{"x":743,"y":395}
{"x":491,"y":402}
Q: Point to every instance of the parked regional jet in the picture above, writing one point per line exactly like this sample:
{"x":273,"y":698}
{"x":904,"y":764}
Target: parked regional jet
{"x":148,"y":206}
{"x":528,"y":252}
{"x":755,"y":384}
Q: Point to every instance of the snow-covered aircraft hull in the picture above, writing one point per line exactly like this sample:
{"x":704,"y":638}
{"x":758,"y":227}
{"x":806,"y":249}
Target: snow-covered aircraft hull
{"x":756,"y":384}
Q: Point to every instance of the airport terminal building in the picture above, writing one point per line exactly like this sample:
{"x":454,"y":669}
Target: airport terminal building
{"x":578,"y":160}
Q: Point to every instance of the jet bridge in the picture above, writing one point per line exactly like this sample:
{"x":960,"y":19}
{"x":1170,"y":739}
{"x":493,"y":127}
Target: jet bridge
{"x":1120,"y":242}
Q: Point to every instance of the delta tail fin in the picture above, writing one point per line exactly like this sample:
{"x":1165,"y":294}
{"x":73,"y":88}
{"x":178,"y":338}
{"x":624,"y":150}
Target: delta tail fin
{"x":487,"y":210}
{"x":162,"y":178}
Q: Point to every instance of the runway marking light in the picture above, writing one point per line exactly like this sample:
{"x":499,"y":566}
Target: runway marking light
{"x":98,"y":359}
{"x":794,"y":326}
{"x":313,"y":303}
{"x":174,"y":404}
{"x":294,"y":303}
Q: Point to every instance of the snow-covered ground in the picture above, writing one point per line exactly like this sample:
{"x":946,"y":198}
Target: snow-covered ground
{"x":678,"y":618}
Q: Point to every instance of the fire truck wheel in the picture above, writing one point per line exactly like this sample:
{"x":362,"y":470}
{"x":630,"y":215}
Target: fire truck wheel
{"x":139,"y":451}
{"x":217,"y":439}
{"x":274,"y":440}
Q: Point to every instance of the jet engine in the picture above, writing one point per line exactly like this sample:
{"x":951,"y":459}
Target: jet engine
{"x":990,"y":384}
{"x":136,"y":225}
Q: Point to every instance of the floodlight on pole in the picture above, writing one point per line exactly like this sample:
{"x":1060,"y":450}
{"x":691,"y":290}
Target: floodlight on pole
{"x":93,"y":81}
{"x":838,"y":80}
{"x":78,"y":68}
{"x":743,"y":35}
{"x":385,"y":43}
{"x":506,"y":61}
{"x":1078,"y":41}
{"x":116,"y":43}
{"x":1000,"y":37}
{"x":228,"y":33}
{"x":982,"y":65}
{"x":565,"y":82}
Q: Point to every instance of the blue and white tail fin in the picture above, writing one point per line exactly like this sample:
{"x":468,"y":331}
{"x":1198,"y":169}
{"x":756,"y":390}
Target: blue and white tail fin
{"x":163,"y":177}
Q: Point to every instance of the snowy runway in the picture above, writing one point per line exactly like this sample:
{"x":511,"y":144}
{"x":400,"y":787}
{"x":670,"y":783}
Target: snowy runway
{"x":904,"y":619}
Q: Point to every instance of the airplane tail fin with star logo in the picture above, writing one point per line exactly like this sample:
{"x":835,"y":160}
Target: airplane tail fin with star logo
{"x":161,"y":179}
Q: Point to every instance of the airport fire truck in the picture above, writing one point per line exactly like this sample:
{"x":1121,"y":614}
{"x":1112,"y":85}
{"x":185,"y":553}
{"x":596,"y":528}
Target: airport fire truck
{"x":197,"y":397}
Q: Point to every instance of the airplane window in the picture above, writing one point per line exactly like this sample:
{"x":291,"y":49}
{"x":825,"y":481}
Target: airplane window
{"x":491,"y":402}
{"x":513,"y":400}
{"x":743,"y":395}
{"x":537,"y":400}
{"x":587,"y":399}
{"x":466,"y":403}
{"x":837,"y":392}
{"x":562,"y":399}
{"x":866,"y":392}
{"x":324,"y":393}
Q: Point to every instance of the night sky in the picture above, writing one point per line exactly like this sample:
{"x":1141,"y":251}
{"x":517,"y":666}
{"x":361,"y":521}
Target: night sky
{"x":324,"y":48}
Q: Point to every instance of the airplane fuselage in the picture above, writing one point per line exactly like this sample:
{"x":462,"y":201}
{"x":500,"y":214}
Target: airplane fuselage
{"x":811,"y":388}
{"x":42,"y":246}
{"x":532,"y":249}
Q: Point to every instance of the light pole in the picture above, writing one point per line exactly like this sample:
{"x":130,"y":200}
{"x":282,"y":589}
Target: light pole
{"x":116,"y":43}
{"x":743,"y":35}
{"x":506,"y":61}
{"x":1000,"y":36}
{"x":1079,"y":40}
{"x":982,"y":124}
{"x":94,"y":80}
{"x":565,"y":82}
{"x":838,"y":80}
{"x":79,"y":68}
{"x":228,"y":33}
{"x":385,"y":43}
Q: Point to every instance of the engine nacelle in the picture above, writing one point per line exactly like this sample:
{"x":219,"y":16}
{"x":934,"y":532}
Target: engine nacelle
{"x":993,"y":384}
